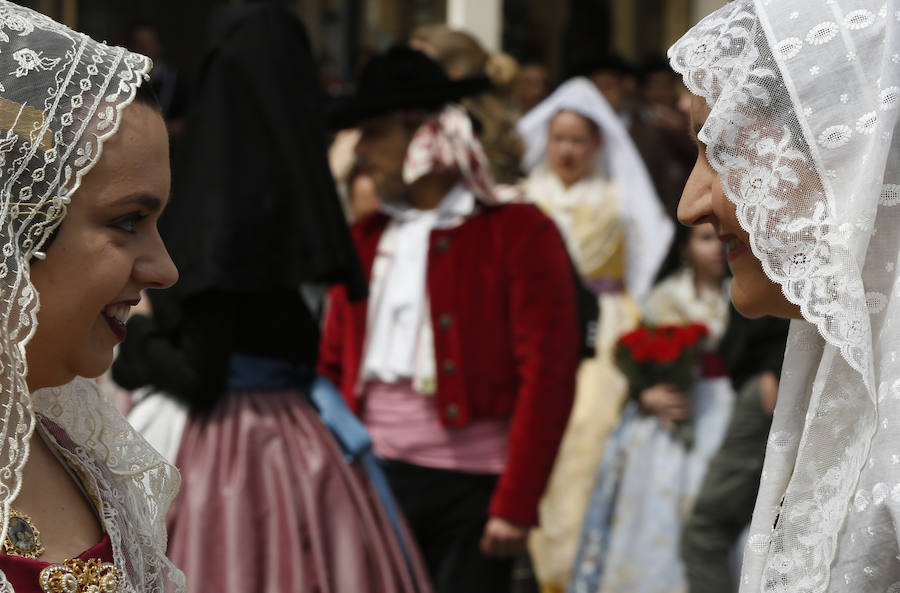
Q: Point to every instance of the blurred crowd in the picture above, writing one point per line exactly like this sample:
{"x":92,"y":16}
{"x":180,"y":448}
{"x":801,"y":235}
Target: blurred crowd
{"x":396,"y":359}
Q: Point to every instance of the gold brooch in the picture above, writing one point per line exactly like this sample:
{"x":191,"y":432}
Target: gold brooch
{"x":22,"y":537}
{"x":80,"y":576}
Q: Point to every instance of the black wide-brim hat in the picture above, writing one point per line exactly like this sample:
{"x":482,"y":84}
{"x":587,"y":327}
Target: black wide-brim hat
{"x":401,"y":78}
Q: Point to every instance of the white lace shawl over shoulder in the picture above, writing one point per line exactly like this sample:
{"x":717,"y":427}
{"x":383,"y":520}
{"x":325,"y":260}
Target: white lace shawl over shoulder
{"x":804,"y":99}
{"x":134,"y":484}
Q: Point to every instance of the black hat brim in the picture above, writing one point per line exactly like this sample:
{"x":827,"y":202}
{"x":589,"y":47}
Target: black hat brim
{"x":348,"y":112}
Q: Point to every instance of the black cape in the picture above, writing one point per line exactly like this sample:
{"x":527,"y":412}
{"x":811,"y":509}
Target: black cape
{"x":254,"y":206}
{"x":254,"y":215}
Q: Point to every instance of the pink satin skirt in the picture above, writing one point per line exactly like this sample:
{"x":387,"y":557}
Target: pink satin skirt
{"x":268,"y":504}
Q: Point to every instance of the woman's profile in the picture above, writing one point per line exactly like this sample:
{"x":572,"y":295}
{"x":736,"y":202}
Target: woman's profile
{"x":795,"y":112}
{"x":84,"y":169}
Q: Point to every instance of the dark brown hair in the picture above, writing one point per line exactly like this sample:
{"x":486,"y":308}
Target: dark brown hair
{"x":145,"y":95}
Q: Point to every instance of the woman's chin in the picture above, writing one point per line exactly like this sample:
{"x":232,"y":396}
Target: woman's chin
{"x":755,"y":297}
{"x":91,"y":367}
{"x":747,"y":307}
{"x":760,"y":297}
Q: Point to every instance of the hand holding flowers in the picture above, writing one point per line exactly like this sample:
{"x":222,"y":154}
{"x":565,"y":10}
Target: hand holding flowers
{"x":661,"y":364}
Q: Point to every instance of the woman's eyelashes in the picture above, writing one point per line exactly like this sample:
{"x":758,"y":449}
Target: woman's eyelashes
{"x":129,"y":222}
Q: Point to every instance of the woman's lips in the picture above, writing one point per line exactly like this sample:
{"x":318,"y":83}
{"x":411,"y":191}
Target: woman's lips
{"x":116,"y":315}
{"x":117,"y":327}
{"x":734,"y":246}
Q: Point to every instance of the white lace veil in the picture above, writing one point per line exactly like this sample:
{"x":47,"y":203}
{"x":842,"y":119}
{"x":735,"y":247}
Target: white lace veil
{"x":648,"y":230}
{"x":804,"y":98}
{"x":61,"y":96}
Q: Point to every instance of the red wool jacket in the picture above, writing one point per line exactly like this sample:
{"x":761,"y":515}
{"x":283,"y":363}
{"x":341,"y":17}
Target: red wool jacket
{"x":506,"y":338}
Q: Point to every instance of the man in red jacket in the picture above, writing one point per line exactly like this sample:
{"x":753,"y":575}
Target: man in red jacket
{"x":462,"y":361}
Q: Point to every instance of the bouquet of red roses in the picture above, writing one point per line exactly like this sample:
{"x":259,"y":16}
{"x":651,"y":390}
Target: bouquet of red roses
{"x":662,"y":354}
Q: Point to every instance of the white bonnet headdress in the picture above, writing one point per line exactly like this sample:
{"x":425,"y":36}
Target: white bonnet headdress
{"x":648,"y":230}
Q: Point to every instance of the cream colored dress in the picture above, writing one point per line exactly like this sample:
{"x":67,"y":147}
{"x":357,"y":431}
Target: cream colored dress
{"x":590,"y":220}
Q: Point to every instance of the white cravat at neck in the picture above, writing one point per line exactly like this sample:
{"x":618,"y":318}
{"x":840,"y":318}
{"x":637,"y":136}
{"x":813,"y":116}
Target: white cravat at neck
{"x":399,"y":344}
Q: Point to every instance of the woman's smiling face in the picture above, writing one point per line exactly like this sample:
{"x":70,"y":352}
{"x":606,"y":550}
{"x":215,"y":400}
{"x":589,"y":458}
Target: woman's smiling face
{"x":106,"y":251}
{"x":704,"y":200}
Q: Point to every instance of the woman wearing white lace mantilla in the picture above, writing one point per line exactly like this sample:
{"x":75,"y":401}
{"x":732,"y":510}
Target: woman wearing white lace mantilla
{"x":586,"y":174}
{"x":84,"y":171}
{"x":799,"y":170}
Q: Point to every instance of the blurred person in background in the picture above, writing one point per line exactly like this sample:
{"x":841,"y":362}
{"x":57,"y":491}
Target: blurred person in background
{"x":655,"y":460}
{"x":447,"y":362}
{"x":532,"y":86}
{"x":651,"y":114}
{"x":586,"y":174}
{"x":169,"y":84}
{"x":278,"y":488}
{"x":355,"y":188}
{"x":753,"y":352}
{"x":661,"y":132}
{"x":462,"y":56}
{"x":609,"y":73}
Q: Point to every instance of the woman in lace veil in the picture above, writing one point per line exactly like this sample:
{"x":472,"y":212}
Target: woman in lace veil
{"x":85,"y":176}
{"x":796,"y":115}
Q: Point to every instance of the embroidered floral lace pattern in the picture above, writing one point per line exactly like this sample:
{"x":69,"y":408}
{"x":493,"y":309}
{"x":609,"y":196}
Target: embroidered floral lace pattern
{"x":133,"y":482}
{"x":803,"y":99}
{"x":62,"y":95}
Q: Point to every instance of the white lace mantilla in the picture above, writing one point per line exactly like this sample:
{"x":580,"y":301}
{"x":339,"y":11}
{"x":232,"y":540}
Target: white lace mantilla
{"x":61,"y":96}
{"x":804,"y":99}
{"x":133,"y":482}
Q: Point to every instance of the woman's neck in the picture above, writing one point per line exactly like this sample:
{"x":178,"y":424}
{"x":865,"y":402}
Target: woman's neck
{"x":58,"y":507}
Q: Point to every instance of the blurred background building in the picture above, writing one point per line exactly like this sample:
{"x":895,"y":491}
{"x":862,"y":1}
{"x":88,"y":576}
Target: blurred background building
{"x":557,"y":33}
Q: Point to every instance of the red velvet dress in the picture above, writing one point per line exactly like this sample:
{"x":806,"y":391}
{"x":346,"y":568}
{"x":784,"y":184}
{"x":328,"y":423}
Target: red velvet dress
{"x":24,"y":573}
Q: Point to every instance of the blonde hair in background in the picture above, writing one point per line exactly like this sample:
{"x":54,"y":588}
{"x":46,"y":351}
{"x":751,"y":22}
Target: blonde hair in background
{"x":462,"y":56}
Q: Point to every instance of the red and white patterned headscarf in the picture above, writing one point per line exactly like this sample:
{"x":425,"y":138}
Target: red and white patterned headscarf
{"x":445,"y":142}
